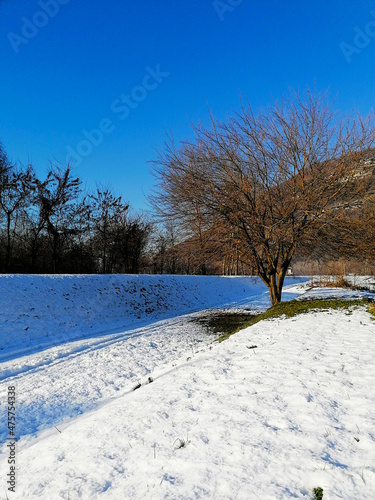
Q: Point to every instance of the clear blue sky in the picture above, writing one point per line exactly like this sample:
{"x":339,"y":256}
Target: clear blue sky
{"x":65,"y":72}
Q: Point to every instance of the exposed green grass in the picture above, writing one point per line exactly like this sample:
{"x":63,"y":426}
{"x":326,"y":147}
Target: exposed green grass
{"x":296,"y":307}
{"x":318,"y":493}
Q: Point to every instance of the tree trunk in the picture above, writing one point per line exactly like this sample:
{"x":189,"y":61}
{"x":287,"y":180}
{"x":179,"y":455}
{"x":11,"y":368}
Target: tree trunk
{"x":54,"y":253}
{"x":8,"y":246}
{"x":104,"y":260}
{"x":274,"y":289}
{"x":275,"y":282}
{"x":33,"y":256}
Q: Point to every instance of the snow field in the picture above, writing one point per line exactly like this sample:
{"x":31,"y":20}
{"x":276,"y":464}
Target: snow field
{"x":40,"y":311}
{"x":63,"y":381}
{"x":268,"y":422}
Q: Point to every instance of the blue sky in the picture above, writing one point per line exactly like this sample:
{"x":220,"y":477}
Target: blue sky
{"x":76,"y":71}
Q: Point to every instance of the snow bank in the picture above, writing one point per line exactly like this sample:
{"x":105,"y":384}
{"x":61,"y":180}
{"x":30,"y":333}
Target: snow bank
{"x":335,"y":293}
{"x":44,"y":310}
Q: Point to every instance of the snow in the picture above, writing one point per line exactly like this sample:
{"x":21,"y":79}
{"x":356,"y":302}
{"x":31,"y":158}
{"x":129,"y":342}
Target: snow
{"x":367,"y":282}
{"x":40,"y":311}
{"x":277,"y":409}
{"x":47,"y":391}
{"x":335,"y":293}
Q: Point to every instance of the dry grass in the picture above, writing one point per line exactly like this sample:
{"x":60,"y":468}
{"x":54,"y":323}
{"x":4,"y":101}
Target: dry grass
{"x":336,"y":282}
{"x":371,"y":308}
{"x":331,"y":281}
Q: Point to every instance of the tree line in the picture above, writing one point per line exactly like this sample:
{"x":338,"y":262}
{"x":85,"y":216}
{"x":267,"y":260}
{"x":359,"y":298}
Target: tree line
{"x":51,"y":226}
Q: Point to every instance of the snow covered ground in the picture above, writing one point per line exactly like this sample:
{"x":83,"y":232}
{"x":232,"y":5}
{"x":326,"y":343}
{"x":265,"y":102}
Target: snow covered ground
{"x":74,"y":376}
{"x":39,"y":311}
{"x":221,"y":421}
{"x":367,"y":282}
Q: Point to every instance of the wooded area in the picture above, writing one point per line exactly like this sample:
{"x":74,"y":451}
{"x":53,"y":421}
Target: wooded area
{"x":51,"y":226}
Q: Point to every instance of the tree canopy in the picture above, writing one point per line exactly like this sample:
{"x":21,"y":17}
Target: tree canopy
{"x":267,"y":179}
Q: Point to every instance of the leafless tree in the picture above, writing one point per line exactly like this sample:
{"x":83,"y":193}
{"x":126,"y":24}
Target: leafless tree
{"x":107,"y":211}
{"x":59,"y":208}
{"x":15,"y":193}
{"x":269,"y":177}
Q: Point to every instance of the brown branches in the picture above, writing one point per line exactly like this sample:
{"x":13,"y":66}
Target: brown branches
{"x":268,"y":177}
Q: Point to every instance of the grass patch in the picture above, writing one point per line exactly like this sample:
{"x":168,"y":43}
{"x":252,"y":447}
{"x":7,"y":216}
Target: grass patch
{"x":296,"y":307}
{"x":371,"y":309}
{"x":318,"y":493}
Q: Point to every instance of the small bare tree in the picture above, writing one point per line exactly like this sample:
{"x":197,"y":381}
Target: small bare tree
{"x":59,"y":208}
{"x":269,"y":177}
{"x":107,"y":212}
{"x":15,"y":193}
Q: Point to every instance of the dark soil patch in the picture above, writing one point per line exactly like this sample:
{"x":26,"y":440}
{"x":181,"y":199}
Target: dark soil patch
{"x":225,"y":323}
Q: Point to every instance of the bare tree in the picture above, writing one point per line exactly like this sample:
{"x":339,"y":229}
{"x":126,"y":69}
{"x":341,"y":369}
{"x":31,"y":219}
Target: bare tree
{"x":131,"y":234}
{"x":268,"y":177}
{"x":59,"y":208}
{"x":107,"y":211}
{"x":348,"y":234}
{"x":14,"y":194}
{"x":49,"y":225}
{"x":5,"y":165}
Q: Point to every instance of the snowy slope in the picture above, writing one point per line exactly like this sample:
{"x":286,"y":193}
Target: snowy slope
{"x":60,"y":382}
{"x":41,"y":311}
{"x":269,"y":422}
